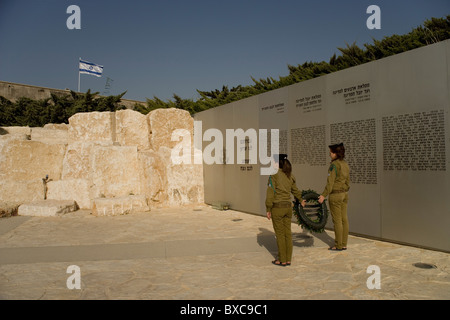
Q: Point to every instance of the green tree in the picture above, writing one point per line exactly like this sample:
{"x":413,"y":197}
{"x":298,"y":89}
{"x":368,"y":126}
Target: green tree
{"x":56,"y":109}
{"x":6,"y":112}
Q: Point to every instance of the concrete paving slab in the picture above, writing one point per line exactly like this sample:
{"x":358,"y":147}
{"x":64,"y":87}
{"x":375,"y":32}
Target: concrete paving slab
{"x":124,"y":251}
{"x":9,"y":223}
{"x":203,"y":254}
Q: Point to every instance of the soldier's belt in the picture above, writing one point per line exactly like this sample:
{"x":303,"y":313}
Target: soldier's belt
{"x":338,"y":191}
{"x":283,"y":204}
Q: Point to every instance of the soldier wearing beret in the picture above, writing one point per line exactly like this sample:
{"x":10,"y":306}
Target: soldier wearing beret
{"x":279,"y":207}
{"x":338,"y":184}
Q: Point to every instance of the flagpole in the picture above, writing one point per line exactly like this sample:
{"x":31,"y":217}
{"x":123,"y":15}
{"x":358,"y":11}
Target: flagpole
{"x":79,"y":75}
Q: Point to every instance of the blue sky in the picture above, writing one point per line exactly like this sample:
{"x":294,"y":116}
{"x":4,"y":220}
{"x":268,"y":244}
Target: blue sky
{"x":160,"y":48}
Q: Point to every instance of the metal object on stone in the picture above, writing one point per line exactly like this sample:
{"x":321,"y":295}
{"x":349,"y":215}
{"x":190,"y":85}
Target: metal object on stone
{"x":422,"y":265}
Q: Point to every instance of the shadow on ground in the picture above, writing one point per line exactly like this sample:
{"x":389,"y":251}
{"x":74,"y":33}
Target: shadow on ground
{"x":266,"y":238}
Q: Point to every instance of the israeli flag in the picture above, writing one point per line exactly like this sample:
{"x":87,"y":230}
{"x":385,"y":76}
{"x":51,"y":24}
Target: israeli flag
{"x":91,"y":68}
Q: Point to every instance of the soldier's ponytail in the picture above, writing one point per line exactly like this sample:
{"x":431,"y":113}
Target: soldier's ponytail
{"x":339,"y":150}
{"x":286,"y":167}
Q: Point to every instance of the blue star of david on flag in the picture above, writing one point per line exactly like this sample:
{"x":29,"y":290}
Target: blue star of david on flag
{"x":91,"y":68}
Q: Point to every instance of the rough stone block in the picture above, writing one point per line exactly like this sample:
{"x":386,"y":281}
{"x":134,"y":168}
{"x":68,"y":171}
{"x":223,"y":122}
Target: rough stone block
{"x":9,"y":209}
{"x":153,"y":177}
{"x":57,"y":126}
{"x":92,"y":126}
{"x":22,"y":132}
{"x":114,"y":171}
{"x":21,"y":191}
{"x":28,"y":160}
{"x":132,"y":129}
{"x":184,"y":181}
{"x":47,"y":208}
{"x":73,"y":189}
{"x":100,"y":155}
{"x":163,"y":122}
{"x":7,"y":134}
{"x":76,"y":160}
{"x":50,"y":136}
{"x":119,"y":205}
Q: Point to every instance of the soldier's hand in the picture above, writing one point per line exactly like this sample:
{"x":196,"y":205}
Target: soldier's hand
{"x":321,"y":199}
{"x":269,"y":215}
{"x":303,"y":203}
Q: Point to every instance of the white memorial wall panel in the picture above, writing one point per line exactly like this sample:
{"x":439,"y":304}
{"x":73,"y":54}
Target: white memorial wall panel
{"x":392,"y":116}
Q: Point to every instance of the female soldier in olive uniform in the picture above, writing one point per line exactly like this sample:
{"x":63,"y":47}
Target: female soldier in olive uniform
{"x":338,"y":184}
{"x":279,"y":207}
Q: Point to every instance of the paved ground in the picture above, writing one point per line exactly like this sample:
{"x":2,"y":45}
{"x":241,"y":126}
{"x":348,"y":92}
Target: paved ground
{"x":201,"y":253}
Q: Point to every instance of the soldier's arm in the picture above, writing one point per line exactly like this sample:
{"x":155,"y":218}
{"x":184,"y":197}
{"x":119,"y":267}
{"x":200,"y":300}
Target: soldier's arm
{"x":270,"y":195}
{"x":347,"y":181}
{"x":330,"y":180}
{"x":294,"y":190}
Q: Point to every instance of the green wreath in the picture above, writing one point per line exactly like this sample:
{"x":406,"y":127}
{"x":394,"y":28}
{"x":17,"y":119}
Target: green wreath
{"x":315,"y":215}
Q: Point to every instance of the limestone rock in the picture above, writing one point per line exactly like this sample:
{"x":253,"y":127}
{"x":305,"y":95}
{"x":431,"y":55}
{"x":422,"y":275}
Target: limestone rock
{"x":119,"y":205}
{"x":21,"y":191}
{"x":114,"y":171}
{"x":57,"y":126}
{"x":163,"y":122}
{"x":92,"y":126}
{"x":48,"y":135}
{"x":153,"y":177}
{"x":47,"y":208}
{"x":184,"y":181}
{"x":124,"y":157}
{"x":9,"y":209}
{"x":132,"y":129}
{"x":76,"y":163}
{"x":28,"y":160}
{"x":23,"y":133}
{"x":12,"y":133}
{"x":73,"y":189}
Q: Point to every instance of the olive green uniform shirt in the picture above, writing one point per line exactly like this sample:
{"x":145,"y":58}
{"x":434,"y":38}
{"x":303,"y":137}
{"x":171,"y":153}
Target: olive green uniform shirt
{"x":279,"y":189}
{"x":338,"y":178}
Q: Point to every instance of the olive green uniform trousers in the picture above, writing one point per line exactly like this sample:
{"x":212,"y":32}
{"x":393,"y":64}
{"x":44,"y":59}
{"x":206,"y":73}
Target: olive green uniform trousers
{"x":338,"y":184}
{"x":338,"y":207}
{"x":278,"y":202}
{"x":281,"y":220}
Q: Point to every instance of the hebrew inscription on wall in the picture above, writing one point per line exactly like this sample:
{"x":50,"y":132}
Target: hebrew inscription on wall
{"x":310,"y":103}
{"x":282,"y":142}
{"x":414,"y":141}
{"x":308,"y":146}
{"x":277,"y":108}
{"x":354,"y":94}
{"x":359,"y":138}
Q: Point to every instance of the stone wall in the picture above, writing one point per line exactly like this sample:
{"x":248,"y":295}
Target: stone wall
{"x":14,"y":91}
{"x":108,"y":162}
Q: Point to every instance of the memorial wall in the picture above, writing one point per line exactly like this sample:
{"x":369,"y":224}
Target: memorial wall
{"x":393,"y":117}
